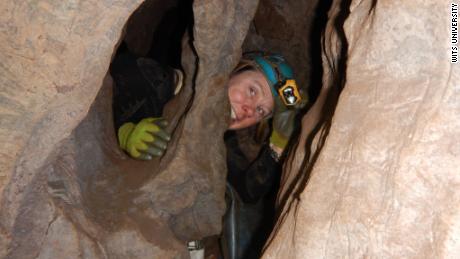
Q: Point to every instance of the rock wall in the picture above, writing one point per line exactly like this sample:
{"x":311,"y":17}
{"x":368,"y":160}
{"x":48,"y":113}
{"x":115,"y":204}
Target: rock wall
{"x":54,"y":55}
{"x":385,"y":183}
{"x":66,"y":190}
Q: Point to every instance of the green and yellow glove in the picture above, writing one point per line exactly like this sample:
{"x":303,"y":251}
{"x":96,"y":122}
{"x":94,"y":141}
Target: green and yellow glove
{"x":145,"y":139}
{"x":283,"y":124}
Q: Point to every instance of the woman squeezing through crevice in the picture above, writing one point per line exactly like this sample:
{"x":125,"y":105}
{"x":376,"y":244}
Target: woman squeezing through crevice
{"x":261,"y":87}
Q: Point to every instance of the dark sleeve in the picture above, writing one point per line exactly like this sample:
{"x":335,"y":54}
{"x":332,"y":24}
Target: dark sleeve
{"x":254,"y":181}
{"x":141,"y":88}
{"x":262,"y":175}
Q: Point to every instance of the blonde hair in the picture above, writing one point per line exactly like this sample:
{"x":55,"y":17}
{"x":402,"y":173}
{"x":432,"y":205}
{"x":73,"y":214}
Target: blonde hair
{"x":244,"y":65}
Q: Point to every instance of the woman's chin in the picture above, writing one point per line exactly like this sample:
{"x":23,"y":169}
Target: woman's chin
{"x":235,"y":125}
{"x":232,"y":126}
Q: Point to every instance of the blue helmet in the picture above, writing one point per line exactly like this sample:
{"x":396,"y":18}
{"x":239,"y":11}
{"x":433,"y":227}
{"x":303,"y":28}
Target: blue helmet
{"x":279,"y":75}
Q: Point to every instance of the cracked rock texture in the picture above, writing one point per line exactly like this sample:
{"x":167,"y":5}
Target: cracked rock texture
{"x":66,"y":190}
{"x":386,"y":182}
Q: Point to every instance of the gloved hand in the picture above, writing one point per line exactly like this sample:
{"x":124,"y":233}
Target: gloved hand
{"x":283,"y":123}
{"x":283,"y":126}
{"x":144,"y":140}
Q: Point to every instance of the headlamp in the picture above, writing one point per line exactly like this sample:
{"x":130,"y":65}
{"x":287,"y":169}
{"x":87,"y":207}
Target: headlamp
{"x":289,"y":92}
{"x":279,"y":76}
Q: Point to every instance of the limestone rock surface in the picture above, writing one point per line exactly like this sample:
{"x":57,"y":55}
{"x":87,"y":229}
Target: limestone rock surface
{"x":386,"y":182}
{"x":66,"y":189}
{"x":54,"y":56}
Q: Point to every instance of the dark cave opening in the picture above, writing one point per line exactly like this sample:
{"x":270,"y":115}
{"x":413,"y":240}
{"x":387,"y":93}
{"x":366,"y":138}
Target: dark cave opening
{"x":163,"y":30}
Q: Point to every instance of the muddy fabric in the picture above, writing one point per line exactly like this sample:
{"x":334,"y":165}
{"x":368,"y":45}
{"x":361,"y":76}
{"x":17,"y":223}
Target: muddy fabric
{"x":250,"y":195}
{"x":386,"y":183}
{"x":254,"y":178}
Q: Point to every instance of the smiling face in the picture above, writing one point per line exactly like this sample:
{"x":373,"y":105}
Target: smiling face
{"x":250,"y":99}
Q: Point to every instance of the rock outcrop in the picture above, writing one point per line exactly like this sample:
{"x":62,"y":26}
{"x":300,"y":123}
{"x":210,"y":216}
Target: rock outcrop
{"x":384,"y":182}
{"x":66,"y":190}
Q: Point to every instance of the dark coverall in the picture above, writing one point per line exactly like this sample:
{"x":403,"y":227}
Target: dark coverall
{"x":142,"y":87}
